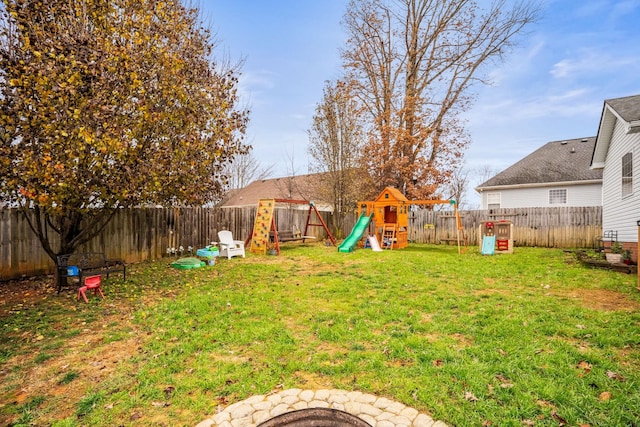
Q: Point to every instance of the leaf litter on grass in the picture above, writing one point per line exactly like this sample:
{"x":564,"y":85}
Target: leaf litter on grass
{"x":339,"y":279}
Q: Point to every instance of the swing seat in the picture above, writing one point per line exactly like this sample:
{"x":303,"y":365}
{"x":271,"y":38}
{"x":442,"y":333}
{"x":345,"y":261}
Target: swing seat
{"x":289,"y":236}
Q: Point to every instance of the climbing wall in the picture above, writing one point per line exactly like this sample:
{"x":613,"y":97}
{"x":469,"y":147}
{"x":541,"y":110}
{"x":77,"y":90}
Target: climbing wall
{"x":262,"y":226}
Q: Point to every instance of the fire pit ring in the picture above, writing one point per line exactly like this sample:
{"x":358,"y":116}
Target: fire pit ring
{"x":372,"y":410}
{"x":324,"y":417}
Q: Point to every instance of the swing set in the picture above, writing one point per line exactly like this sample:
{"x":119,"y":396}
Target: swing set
{"x":265,"y":231}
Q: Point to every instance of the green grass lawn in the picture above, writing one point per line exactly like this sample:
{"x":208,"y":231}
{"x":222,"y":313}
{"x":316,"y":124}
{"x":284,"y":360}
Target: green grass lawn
{"x":531,"y":339}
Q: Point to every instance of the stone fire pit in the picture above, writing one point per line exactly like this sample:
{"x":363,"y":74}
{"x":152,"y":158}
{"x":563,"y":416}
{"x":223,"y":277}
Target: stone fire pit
{"x":337,"y":408}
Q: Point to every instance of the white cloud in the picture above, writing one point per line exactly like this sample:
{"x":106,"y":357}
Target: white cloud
{"x":573,"y":103}
{"x":562,"y":68}
{"x":535,"y":49}
{"x":253,"y":84}
{"x":592,"y":63}
{"x":569,"y":96}
{"x":260,"y":79}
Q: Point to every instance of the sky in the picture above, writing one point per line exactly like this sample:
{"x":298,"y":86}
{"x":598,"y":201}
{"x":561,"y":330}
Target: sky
{"x":550,"y":87}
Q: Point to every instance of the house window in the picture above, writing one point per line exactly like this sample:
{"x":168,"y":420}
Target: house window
{"x":558,"y":197}
{"x":627,"y":174}
{"x":493,"y":200}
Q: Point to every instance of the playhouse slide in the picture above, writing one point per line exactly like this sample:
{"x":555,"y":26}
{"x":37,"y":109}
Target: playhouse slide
{"x":488,"y":245}
{"x":373,"y":242}
{"x":356,"y":234}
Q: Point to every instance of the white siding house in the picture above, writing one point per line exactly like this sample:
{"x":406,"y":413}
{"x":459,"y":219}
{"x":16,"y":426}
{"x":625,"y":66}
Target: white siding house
{"x":555,"y":175}
{"x":572,"y":194}
{"x":617,"y":155}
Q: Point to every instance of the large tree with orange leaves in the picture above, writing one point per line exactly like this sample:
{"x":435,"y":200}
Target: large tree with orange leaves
{"x":107,"y":104}
{"x":415,"y":62}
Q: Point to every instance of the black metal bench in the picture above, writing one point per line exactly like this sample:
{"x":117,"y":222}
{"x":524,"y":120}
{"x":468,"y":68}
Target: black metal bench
{"x":85,"y":264}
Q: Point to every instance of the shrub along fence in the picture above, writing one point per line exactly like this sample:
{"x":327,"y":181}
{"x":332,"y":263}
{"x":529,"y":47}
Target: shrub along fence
{"x":139,"y":234}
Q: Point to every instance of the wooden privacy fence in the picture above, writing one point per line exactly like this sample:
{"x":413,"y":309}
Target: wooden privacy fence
{"x":567,"y":227}
{"x":136,"y":234}
{"x":140,"y":234}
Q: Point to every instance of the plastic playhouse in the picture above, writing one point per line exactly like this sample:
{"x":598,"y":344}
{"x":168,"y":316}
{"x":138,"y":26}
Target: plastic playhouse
{"x":496,"y":237}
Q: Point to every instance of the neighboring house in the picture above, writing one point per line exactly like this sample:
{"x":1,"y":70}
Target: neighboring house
{"x":557,"y":174}
{"x":617,"y":155}
{"x":300,"y":187}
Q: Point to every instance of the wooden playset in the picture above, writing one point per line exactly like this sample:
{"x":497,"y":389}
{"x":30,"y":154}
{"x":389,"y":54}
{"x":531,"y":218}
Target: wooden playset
{"x":391,"y":218}
{"x":265,"y":232}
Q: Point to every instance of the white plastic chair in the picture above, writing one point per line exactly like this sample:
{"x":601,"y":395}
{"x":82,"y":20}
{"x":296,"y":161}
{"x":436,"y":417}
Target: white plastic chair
{"x":228,"y":246}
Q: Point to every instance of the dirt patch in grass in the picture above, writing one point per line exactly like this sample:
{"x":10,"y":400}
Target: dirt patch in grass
{"x":313,"y":381}
{"x":66,"y":378}
{"x":597,"y":299}
{"x":19,"y":294}
{"x":331,"y":349}
{"x":491,"y":291}
{"x":57,"y":378}
{"x":600,"y":299}
{"x":461,"y":341}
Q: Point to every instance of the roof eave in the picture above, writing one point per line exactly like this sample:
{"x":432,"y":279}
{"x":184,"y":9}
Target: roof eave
{"x":539,"y":185}
{"x":605,"y":132}
{"x":634,"y":126}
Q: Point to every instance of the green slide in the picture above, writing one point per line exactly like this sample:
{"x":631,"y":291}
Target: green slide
{"x":356,"y":234}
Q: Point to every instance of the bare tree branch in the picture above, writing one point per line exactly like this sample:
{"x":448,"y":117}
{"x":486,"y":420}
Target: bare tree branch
{"x":415,"y":62}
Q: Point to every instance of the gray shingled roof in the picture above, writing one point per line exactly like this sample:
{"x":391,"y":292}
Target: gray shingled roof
{"x":628,"y":110}
{"x":557,"y":161}
{"x":628,"y":107}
